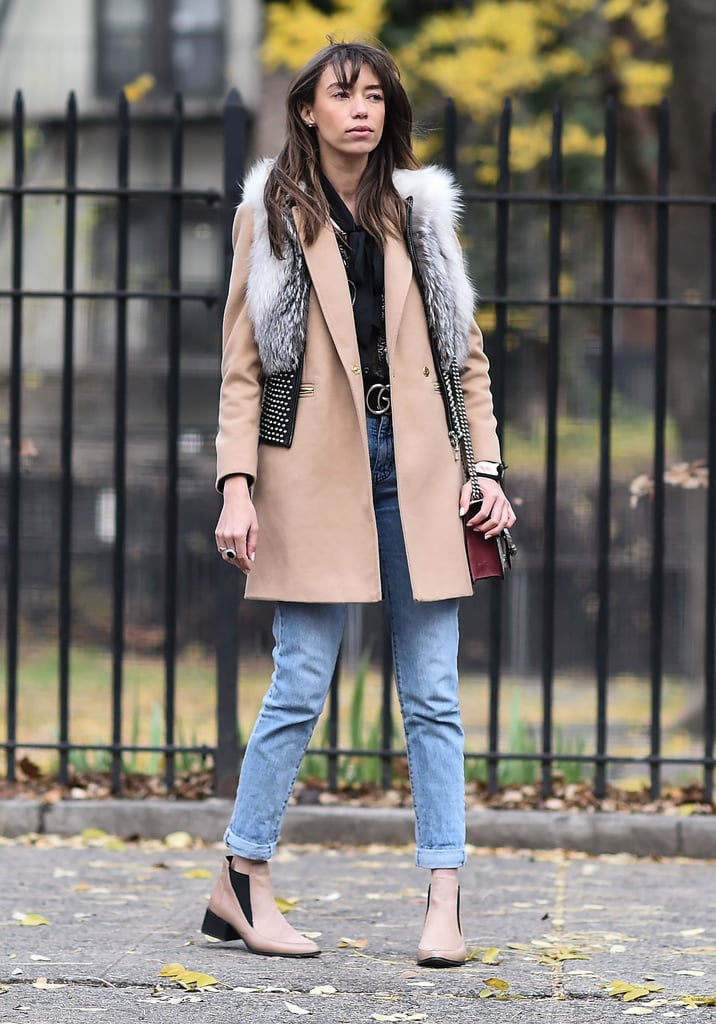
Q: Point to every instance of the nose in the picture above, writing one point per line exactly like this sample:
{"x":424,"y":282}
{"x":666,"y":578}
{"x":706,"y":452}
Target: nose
{"x":360,"y":107}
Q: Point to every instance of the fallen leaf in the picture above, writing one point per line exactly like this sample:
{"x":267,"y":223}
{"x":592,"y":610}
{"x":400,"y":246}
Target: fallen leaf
{"x":692,"y":931}
{"x":197,"y":873}
{"x":93,"y":833}
{"x":344,"y":943}
{"x":692,"y":974}
{"x":398,"y":1016}
{"x":285,"y":905}
{"x":629,"y":991}
{"x":172,"y":970}
{"x":44,"y":983}
{"x":36,"y":956}
{"x":498,"y":984}
{"x":178,"y":841}
{"x":330,"y":897}
{"x":322,"y":990}
{"x":196,"y":980}
{"x":634,"y":1010}
{"x":491,"y":956}
{"x":32,"y":920}
{"x":293,"y":1008}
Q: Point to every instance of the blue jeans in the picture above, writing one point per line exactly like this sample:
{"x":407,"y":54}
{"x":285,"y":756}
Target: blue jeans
{"x":307,"y":638}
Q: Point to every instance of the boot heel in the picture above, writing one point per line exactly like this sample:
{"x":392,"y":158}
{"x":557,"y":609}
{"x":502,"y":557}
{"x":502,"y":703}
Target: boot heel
{"x":218,"y":928}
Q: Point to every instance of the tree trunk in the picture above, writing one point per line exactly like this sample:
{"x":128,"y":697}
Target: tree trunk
{"x":691,"y":31}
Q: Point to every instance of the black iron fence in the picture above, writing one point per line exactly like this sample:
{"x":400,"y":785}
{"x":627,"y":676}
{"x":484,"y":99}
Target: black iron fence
{"x":577,"y":579}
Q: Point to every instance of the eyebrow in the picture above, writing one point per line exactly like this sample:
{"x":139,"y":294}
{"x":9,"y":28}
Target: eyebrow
{"x":373,"y":86}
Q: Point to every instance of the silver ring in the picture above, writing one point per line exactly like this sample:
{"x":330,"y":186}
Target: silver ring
{"x":230,"y":553}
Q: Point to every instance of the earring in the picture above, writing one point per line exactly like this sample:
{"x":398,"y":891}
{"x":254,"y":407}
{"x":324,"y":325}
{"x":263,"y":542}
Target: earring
{"x":310,"y":124}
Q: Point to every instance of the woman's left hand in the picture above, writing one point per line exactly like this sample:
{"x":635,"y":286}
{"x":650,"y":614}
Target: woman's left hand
{"x":495,"y":513}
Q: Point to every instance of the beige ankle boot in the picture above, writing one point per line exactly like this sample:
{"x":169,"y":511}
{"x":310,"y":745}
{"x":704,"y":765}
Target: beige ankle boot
{"x":242,"y":906}
{"x":442,"y":944}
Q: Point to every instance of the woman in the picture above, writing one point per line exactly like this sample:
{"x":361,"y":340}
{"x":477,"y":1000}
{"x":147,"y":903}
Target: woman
{"x":340,"y":483}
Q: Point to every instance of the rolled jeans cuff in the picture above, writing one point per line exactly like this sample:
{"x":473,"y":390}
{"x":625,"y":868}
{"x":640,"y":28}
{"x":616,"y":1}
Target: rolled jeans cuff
{"x":250,"y":851}
{"x":440,"y":858}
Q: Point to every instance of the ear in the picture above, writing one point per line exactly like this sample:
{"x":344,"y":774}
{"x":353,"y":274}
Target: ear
{"x":306,"y":115}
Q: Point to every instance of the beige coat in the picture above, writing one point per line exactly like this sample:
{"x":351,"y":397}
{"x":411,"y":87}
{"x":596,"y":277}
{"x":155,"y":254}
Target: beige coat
{"x":317,"y":531}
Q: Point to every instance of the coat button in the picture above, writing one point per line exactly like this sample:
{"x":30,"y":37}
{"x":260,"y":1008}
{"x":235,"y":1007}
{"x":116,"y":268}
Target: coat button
{"x":355,"y":369}
{"x":426,"y":371}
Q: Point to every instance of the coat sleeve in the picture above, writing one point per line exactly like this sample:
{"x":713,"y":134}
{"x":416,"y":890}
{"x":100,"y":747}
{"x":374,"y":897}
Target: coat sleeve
{"x":478,"y":400}
{"x":241,"y":374}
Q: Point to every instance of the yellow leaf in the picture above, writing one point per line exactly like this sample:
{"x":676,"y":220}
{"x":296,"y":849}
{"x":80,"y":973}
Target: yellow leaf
{"x":197,"y":873}
{"x":498,"y":984}
{"x":485,"y":993}
{"x":492,"y":956}
{"x":285,"y":905}
{"x":33,"y":920}
{"x":195,"y":980}
{"x":139,"y":87}
{"x":94,"y":833}
{"x":172,"y":970}
{"x":178,"y":841}
{"x":352,"y":943}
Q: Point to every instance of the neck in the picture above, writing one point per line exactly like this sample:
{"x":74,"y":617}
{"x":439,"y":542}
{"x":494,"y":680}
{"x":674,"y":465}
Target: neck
{"x":345,"y":178}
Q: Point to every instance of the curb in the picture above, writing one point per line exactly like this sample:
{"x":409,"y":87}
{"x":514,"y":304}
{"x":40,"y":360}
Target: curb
{"x":644,"y":835}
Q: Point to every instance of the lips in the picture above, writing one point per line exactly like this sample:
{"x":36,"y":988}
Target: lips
{"x":363,"y":130}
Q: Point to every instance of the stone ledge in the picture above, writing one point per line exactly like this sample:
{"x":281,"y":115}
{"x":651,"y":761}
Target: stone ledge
{"x":645,"y":835}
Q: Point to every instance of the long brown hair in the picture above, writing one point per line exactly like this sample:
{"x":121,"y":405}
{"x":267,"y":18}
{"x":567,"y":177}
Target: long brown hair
{"x":294,"y":179}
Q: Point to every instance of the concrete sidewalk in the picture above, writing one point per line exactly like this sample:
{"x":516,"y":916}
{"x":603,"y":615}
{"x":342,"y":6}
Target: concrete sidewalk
{"x":560,"y":928}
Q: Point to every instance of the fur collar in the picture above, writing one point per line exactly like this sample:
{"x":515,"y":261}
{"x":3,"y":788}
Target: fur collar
{"x":278,"y":290}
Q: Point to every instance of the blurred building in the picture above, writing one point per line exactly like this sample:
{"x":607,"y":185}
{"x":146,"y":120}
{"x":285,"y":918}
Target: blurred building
{"x":95,"y":48}
{"x":153,"y":49}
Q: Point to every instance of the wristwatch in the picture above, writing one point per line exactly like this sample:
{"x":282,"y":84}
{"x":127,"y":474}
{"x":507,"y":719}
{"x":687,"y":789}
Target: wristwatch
{"x":491,"y":470}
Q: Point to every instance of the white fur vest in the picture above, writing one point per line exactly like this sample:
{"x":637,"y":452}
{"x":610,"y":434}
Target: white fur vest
{"x":278,"y":290}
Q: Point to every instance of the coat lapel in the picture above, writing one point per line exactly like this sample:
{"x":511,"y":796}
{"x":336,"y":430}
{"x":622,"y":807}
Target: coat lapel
{"x":330,"y":284}
{"x":328,"y":277}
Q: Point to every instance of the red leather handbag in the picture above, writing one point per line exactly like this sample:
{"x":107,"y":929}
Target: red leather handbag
{"x":487,"y":556}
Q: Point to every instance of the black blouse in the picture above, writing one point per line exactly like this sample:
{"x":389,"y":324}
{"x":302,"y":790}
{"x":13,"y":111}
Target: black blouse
{"x":363,"y":259}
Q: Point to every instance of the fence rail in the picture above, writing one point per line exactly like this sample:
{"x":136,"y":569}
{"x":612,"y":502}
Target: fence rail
{"x":501,"y":204}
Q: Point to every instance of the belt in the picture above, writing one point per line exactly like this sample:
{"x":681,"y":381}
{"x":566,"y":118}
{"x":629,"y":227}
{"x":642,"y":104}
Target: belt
{"x":377,"y":399}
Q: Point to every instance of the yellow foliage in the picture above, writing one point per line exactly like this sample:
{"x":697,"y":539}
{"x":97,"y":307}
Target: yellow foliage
{"x":650,"y":20}
{"x":295,"y":31}
{"x":614,"y":9}
{"x":645,"y":82}
{"x":139,"y":87}
{"x":491,"y":49}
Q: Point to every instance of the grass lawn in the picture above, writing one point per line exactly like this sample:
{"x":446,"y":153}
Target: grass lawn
{"x":142,"y":714}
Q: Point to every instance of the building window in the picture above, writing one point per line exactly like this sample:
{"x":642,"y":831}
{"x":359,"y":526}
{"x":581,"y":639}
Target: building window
{"x":179,"y":42}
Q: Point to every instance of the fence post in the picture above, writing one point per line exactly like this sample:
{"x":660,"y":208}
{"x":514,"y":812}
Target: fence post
{"x":15,"y":432}
{"x":228,"y":581}
{"x":67,"y":433}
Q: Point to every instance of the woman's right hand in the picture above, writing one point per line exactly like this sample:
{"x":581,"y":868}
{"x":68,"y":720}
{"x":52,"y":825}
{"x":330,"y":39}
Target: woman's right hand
{"x":238,"y":527}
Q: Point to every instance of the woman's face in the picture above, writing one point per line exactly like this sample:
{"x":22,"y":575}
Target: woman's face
{"x":348,"y":121}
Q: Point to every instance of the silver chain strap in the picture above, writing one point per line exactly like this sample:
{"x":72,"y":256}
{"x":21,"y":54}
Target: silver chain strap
{"x":460,"y":436}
